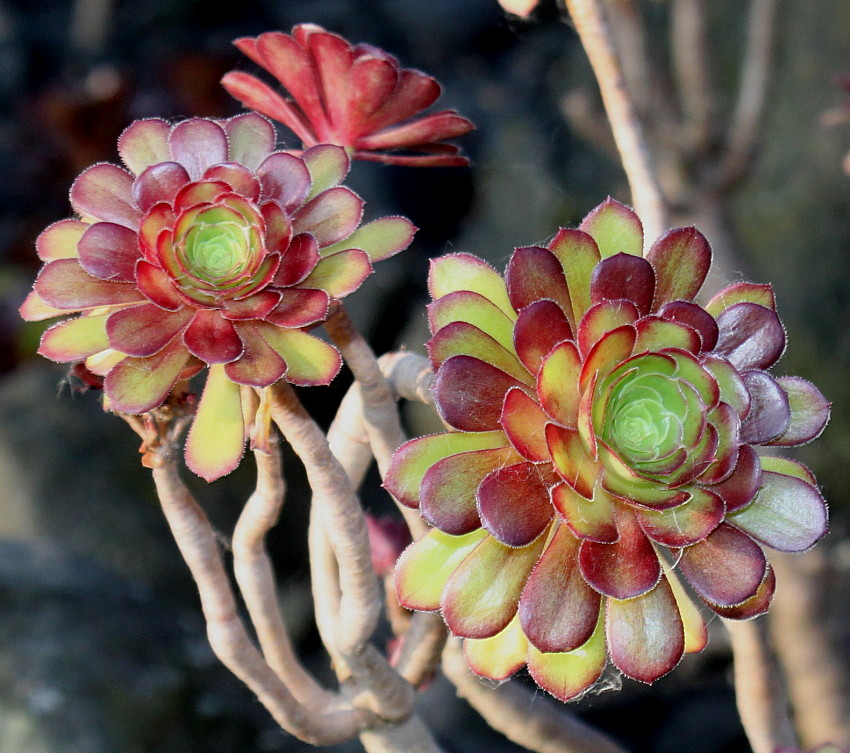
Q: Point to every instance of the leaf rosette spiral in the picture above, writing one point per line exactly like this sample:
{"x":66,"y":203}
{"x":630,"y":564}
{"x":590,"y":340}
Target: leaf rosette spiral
{"x":607,"y":442}
{"x":210,"y":249}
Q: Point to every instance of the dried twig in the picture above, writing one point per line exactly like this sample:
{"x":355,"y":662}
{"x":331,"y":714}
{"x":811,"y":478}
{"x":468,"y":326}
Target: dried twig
{"x":513,"y":710}
{"x":759,"y":688}
{"x":592,"y":27}
{"x":227,"y":635}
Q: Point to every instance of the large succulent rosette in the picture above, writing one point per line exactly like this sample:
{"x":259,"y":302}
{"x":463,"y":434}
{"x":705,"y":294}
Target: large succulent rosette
{"x":209,"y":249}
{"x":356,"y":96}
{"x":606,"y":440}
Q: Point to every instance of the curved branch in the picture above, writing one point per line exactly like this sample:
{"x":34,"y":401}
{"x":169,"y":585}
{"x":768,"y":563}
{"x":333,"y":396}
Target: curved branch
{"x":759,"y":688}
{"x":513,"y":710}
{"x":752,"y":92}
{"x":255,"y":577}
{"x":197,"y":543}
{"x":592,"y":28}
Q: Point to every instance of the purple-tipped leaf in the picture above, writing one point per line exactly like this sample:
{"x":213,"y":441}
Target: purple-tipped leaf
{"x":624,"y":277}
{"x":751,"y":336}
{"x":558,"y":610}
{"x":513,"y":503}
{"x":809,"y":412}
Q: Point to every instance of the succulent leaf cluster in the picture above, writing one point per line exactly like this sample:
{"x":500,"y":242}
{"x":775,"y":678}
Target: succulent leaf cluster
{"x":355,"y":96}
{"x":606,"y":441}
{"x":208,"y":248}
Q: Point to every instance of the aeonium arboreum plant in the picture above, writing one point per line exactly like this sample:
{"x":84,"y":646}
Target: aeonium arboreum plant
{"x":210,"y":249}
{"x":606,"y":438}
{"x":356,"y":96}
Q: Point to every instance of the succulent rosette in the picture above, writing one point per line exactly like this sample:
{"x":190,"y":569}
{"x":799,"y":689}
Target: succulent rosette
{"x":355,"y":96}
{"x":602,"y":445}
{"x":209,"y":249}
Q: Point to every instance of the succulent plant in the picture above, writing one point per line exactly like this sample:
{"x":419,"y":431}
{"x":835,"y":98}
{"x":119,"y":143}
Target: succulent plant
{"x":357,"y":97}
{"x":602,"y":445}
{"x":210,"y":249}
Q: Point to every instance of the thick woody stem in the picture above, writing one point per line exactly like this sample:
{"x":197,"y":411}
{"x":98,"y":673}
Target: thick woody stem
{"x":227,"y":635}
{"x":752,"y":92}
{"x":255,"y":577}
{"x":341,"y":516}
{"x":759,"y":688}
{"x":513,"y":710}
{"x":373,"y":682}
{"x":595,"y":35}
{"x":380,"y":415}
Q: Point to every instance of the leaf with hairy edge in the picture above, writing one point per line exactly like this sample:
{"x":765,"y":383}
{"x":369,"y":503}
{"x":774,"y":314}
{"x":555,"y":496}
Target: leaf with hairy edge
{"x":328,"y":166}
{"x":787,"y":514}
{"x":481,"y":595}
{"x":75,"y":339}
{"x":412,"y":460}
{"x":681,"y":259}
{"x":809,"y":412}
{"x":424,"y":567}
{"x":216,"y":440}
{"x":558,"y":610}
{"x":646,"y":637}
{"x":567,"y":675}
{"x":579,"y":255}
{"x":474,"y":309}
{"x":447,"y":494}
{"x":137,"y":385}
{"x":460,"y":338}
{"x":696,"y":632}
{"x":741,"y":292}
{"x":380,"y":239}
{"x":499,"y":656}
{"x":615,"y":228}
{"x":467,"y":272}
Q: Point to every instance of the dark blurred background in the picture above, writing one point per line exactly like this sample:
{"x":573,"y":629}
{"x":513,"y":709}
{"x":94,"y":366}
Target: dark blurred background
{"x":102,"y":647}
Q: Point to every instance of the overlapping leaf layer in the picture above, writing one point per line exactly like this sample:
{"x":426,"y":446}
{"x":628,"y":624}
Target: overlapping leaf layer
{"x":355,"y":96}
{"x":209,"y":249}
{"x":606,"y":439}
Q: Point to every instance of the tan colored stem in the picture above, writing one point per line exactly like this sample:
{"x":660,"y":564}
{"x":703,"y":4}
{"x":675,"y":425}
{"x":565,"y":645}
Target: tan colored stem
{"x":411,"y":736}
{"x":595,"y":35}
{"x":254,"y":574}
{"x":370,"y":679}
{"x":691,"y":56}
{"x":421,"y":647}
{"x":513,"y":710}
{"x":759,"y":688}
{"x":380,"y":415}
{"x":756,"y":67}
{"x":227,"y":635}
{"x":808,"y":648}
{"x":342,"y":517}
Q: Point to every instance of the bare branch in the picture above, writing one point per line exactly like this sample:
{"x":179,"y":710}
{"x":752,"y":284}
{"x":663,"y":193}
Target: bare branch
{"x":421,"y":647}
{"x":409,"y":374}
{"x":380,"y":415}
{"x":592,"y":27}
{"x":411,"y":736}
{"x":692,"y":72}
{"x":341,"y":515}
{"x":745,"y":128}
{"x":759,"y":688}
{"x":815,"y":666}
{"x":512,"y":709}
{"x":197,"y":543}
{"x":256,"y":581}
